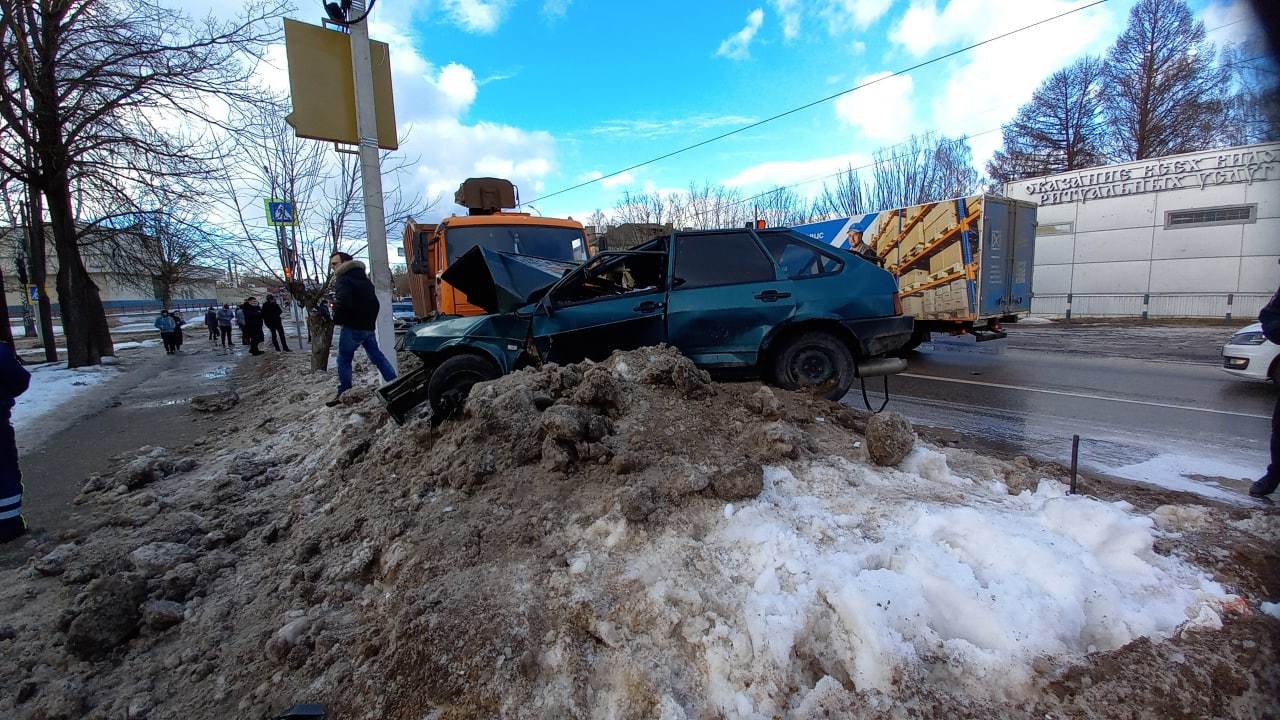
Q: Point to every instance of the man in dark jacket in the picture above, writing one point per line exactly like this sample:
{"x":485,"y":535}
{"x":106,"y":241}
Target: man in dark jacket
{"x":1264,"y":486}
{"x":14,"y":380}
{"x":211,"y":323}
{"x":271,"y":317}
{"x":252,"y":324}
{"x":355,"y":308}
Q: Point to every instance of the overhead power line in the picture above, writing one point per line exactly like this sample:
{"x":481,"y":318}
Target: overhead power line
{"x":828,"y":176}
{"x":819,"y":101}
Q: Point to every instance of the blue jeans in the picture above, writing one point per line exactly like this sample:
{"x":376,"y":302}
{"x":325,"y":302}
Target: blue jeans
{"x":348,"y":341}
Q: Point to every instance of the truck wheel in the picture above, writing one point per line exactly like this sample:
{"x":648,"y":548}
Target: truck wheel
{"x":452,"y":382}
{"x":816,"y":362}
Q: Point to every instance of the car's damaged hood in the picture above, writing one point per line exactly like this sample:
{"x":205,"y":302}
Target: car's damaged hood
{"x":501,"y":282}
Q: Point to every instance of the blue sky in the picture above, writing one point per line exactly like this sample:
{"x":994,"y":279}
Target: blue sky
{"x":552,"y":92}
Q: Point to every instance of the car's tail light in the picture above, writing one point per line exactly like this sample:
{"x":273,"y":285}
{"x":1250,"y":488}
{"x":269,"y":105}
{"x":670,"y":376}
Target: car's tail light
{"x":897,"y":304}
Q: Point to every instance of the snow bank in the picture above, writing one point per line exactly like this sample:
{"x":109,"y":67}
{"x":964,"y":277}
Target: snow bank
{"x":1182,"y":473}
{"x":879,"y":579}
{"x":51,"y":386}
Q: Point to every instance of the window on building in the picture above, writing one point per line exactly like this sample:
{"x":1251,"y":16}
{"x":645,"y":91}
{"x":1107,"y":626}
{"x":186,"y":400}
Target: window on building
{"x":1062,"y":228}
{"x":720,"y":259}
{"x":1204,"y":217}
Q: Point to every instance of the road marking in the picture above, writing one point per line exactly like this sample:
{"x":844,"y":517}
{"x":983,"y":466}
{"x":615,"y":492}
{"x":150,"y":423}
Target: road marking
{"x":1086,"y":396}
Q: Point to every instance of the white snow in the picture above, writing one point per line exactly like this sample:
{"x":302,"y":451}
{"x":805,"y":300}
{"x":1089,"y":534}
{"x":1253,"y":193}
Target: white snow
{"x":126,"y":345}
{"x":1272,"y":609}
{"x":1174,"y":471}
{"x":1034,"y":320}
{"x":18,"y":329}
{"x":51,"y":386}
{"x":847,"y":573}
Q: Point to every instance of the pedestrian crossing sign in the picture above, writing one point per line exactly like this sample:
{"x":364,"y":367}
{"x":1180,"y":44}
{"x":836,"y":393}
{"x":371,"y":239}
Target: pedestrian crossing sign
{"x":280,"y":213}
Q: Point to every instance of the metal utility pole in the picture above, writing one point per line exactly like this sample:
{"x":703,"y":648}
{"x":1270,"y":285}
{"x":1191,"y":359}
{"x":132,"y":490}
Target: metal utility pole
{"x":371,"y":179}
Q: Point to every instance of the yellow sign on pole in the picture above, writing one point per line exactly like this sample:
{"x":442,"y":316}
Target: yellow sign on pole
{"x":323,"y":90}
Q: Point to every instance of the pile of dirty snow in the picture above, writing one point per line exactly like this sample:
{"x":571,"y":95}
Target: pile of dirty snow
{"x":622,"y":539}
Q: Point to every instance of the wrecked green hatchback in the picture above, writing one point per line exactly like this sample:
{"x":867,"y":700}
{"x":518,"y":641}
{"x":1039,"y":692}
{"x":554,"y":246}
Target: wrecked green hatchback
{"x":795,"y":312}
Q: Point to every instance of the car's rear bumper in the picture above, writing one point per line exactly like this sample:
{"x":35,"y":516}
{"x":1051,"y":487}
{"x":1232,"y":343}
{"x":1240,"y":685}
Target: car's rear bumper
{"x":1252,"y":362}
{"x":881,"y":336}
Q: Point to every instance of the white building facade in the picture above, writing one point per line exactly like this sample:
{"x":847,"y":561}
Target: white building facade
{"x":1194,"y":235}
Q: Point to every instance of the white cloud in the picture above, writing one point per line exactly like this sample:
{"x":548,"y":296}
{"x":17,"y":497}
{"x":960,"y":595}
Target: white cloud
{"x":458,"y":83}
{"x":652,"y":128}
{"x":845,"y":15}
{"x":443,"y":150}
{"x":1230,"y":23}
{"x":589,"y":176}
{"x":789,"y":11}
{"x":885,"y":111}
{"x":787,"y":172}
{"x":614,"y":181}
{"x":555,"y":9}
{"x":737,"y":46}
{"x":985,"y":86}
{"x":479,"y":16}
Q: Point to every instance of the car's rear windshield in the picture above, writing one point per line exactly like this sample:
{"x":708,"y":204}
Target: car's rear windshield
{"x":554,"y":243}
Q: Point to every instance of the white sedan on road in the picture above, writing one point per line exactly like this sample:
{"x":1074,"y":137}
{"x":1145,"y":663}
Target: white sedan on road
{"x":1250,"y":355}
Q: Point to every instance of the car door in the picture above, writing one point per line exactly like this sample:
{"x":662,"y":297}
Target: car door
{"x":614,"y":302}
{"x":725,"y":297}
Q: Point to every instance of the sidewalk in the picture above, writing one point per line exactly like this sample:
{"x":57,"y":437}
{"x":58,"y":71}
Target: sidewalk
{"x":143,"y":402}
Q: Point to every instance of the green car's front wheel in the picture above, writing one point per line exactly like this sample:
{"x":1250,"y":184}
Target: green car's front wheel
{"x":815,"y":362}
{"x":452,"y":382}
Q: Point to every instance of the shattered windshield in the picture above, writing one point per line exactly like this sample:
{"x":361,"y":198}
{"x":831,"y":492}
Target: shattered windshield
{"x":610,"y":275}
{"x":554,"y":243}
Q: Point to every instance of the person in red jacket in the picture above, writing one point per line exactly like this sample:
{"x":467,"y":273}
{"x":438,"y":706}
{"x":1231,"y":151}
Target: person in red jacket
{"x":1265,"y":485}
{"x":14,"y":380}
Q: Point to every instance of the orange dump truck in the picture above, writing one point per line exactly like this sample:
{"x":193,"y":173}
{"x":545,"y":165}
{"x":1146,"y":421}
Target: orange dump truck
{"x":430,"y":248}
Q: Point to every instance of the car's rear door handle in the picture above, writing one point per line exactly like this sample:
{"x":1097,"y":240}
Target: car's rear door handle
{"x":771,"y":295}
{"x":649,"y":306}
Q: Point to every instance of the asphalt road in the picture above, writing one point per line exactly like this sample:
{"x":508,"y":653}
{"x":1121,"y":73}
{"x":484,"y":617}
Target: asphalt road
{"x":1174,"y":423}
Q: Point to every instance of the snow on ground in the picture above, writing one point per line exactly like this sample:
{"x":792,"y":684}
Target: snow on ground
{"x":51,"y":386}
{"x":18,"y":329}
{"x":843,"y":572}
{"x":1272,"y":609}
{"x":1189,"y":473}
{"x":127,"y":345}
{"x":1034,"y":320}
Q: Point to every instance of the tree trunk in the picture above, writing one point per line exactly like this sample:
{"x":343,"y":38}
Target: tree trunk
{"x":38,"y":265}
{"x":84,"y":322}
{"x":6,"y":332}
{"x":321,"y":331}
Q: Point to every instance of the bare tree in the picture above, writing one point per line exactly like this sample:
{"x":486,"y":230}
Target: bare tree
{"x":109,"y":95}
{"x":1061,"y":128}
{"x":1253,"y":107}
{"x":1164,"y":92}
{"x":925,"y":167}
{"x":270,"y":161}
{"x":165,"y":251}
{"x":845,"y":198}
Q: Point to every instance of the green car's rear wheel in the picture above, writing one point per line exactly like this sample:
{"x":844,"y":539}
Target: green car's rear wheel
{"x":452,"y":382}
{"x":815,"y":362}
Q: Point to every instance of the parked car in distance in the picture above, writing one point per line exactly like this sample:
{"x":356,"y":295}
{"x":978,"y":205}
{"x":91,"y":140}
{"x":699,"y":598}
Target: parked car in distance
{"x":800,"y":313}
{"x":1248,"y":354}
{"x":403,"y":311}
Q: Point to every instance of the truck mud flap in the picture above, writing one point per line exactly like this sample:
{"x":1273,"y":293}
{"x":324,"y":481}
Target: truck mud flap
{"x":405,"y":393}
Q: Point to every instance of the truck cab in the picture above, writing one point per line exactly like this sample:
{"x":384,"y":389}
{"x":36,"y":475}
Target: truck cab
{"x":430,"y":249}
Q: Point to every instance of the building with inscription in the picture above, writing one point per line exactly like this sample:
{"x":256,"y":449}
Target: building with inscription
{"x":1195,"y":235}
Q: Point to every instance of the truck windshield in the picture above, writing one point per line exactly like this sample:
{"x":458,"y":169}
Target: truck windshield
{"x":553,"y":243}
